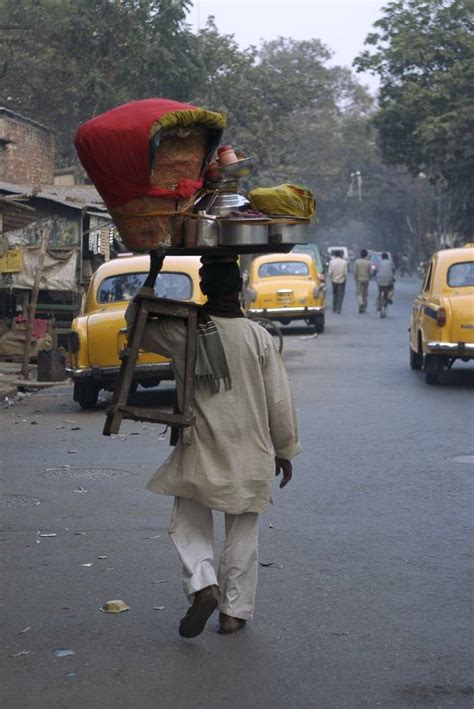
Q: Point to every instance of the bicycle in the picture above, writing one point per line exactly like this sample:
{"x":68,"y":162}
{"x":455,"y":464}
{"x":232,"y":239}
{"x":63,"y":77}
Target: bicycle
{"x":383,"y":300}
{"x":274,"y":330}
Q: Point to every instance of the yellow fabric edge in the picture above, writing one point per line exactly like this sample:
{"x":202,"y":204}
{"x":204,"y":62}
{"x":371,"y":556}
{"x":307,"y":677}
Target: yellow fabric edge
{"x":189,"y":117}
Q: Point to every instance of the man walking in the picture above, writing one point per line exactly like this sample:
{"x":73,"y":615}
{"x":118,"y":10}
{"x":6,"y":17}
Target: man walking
{"x":245,"y":432}
{"x":362,"y":273}
{"x":337,"y":272}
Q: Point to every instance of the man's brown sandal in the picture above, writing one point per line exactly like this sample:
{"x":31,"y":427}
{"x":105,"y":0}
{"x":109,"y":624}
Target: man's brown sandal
{"x":204,"y":605}
{"x":228,"y":624}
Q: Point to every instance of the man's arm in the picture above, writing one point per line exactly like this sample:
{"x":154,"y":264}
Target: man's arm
{"x":281,"y":414}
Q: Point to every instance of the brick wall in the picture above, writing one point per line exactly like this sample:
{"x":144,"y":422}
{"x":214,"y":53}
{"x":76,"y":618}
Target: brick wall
{"x":29,"y":157}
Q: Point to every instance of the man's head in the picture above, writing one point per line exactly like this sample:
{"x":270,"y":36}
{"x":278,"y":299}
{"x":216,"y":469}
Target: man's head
{"x":364,"y":253}
{"x":220,"y":278}
{"x":385,"y":255}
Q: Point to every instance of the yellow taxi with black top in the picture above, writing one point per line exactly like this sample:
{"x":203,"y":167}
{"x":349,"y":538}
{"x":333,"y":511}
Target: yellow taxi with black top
{"x":99,"y":335}
{"x":442,"y":319}
{"x":286,"y":287}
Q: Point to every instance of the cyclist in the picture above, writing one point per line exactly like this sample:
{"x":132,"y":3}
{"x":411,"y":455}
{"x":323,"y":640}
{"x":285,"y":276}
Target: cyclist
{"x":385,"y":282}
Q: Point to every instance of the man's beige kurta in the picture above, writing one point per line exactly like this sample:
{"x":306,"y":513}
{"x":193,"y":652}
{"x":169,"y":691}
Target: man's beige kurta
{"x":229,"y":464}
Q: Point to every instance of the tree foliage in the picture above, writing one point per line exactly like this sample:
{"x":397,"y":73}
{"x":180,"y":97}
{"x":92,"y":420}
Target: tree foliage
{"x":305,"y":121}
{"x":423,"y":52}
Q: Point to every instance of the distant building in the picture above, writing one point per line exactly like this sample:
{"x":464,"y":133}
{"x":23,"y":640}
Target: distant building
{"x":26,"y":150}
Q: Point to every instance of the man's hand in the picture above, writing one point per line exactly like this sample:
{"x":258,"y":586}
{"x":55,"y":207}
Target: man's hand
{"x":283,"y":466}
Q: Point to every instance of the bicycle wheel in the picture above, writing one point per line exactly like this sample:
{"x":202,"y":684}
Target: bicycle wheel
{"x":271,"y":327}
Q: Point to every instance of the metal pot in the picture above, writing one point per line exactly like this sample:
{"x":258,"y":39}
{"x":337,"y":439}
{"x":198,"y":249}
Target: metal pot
{"x":222,"y":204}
{"x":288,"y":233}
{"x":233,"y":232}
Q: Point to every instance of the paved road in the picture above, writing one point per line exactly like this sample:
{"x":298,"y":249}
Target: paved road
{"x":366,"y":605}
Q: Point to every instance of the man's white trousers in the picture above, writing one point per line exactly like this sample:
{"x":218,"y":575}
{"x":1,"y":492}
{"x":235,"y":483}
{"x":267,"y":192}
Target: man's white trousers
{"x":192,"y":532}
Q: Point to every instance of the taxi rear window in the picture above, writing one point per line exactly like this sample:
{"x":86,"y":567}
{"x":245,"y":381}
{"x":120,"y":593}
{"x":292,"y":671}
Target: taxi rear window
{"x":124,"y":286}
{"x":461,"y":274}
{"x":283,"y":268}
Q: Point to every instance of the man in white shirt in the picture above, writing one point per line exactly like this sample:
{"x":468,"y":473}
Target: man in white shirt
{"x":337,"y":272}
{"x":245,"y":432}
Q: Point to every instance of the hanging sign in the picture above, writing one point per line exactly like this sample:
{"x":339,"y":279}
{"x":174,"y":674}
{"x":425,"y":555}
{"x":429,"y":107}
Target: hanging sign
{"x":12,"y":262}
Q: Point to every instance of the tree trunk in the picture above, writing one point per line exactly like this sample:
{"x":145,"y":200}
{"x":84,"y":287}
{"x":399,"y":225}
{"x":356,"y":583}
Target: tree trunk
{"x":31,"y":310}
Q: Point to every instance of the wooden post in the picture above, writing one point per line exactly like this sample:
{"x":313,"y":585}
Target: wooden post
{"x":31,"y":310}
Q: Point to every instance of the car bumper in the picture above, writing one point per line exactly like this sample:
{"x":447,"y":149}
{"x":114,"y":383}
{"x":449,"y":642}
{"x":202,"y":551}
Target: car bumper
{"x":293,"y":313}
{"x":161,"y":370}
{"x":454,"y":348}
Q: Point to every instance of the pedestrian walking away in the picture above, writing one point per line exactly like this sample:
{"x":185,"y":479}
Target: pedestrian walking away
{"x":404,"y":265}
{"x":244,"y":434}
{"x":337,"y":272}
{"x":386,"y":284}
{"x":362,"y":274}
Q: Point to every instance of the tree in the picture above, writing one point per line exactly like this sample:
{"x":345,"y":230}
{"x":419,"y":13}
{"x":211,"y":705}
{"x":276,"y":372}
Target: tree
{"x":423,"y":52}
{"x":77,"y":59}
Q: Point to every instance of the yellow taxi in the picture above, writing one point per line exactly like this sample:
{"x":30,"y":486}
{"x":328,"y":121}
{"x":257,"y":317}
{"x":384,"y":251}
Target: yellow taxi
{"x":286,"y":287}
{"x":99,"y":335}
{"x":442,"y":319}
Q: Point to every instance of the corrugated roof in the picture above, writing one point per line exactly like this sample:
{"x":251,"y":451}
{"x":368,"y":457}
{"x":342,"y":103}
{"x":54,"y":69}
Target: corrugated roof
{"x":76,"y":196}
{"x":19,"y":116}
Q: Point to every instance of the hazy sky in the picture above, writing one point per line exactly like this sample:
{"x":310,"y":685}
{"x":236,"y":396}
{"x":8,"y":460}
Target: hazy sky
{"x":341,"y":24}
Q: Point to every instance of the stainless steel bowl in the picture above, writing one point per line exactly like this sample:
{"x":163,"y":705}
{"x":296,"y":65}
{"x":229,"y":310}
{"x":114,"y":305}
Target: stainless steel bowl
{"x":288,"y":233}
{"x":221,"y":204}
{"x":233,"y":232}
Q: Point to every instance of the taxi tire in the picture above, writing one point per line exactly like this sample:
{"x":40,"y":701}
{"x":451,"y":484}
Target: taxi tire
{"x":86,"y":394}
{"x":416,"y":360}
{"x":432,"y":368}
{"x":319,"y":324}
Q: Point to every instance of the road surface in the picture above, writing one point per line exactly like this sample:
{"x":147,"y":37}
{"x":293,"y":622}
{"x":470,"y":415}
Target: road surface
{"x":367,"y":600}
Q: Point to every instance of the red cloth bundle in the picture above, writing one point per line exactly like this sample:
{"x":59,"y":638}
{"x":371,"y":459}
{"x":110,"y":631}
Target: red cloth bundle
{"x":114,"y":150}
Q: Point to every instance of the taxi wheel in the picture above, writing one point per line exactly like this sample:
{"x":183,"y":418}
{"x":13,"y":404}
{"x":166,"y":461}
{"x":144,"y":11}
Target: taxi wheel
{"x":319,"y":324}
{"x":433,"y":367}
{"x":86,"y":394}
{"x":416,"y":360}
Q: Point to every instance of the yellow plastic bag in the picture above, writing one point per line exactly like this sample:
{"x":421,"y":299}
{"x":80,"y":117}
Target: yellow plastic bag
{"x":285,"y":200}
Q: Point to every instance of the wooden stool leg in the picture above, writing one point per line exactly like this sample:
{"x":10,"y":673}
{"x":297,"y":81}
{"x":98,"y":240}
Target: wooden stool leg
{"x":125,"y":378}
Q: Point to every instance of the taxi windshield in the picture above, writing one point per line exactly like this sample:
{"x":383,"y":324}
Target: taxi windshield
{"x":124,"y":286}
{"x":461,"y":274}
{"x":283,"y":268}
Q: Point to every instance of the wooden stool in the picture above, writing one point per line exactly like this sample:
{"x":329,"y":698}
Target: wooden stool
{"x":148,"y":305}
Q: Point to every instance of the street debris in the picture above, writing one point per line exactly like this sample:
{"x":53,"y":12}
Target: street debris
{"x":47,"y":534}
{"x":157,"y":536}
{"x":309,"y":337}
{"x":116,"y":606}
{"x":25,"y":630}
{"x":82,"y":491}
{"x":34,"y":423}
{"x":159,"y":608}
{"x":63,"y":652}
{"x":101,"y":557}
{"x":88,"y":564}
{"x":270,"y":563}
{"x":22,"y":652}
{"x":76,"y":428}
{"x":71,"y":674}
{"x":270,"y":525}
{"x":59,"y":427}
{"x":80,"y":534}
{"x":72,"y":451}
